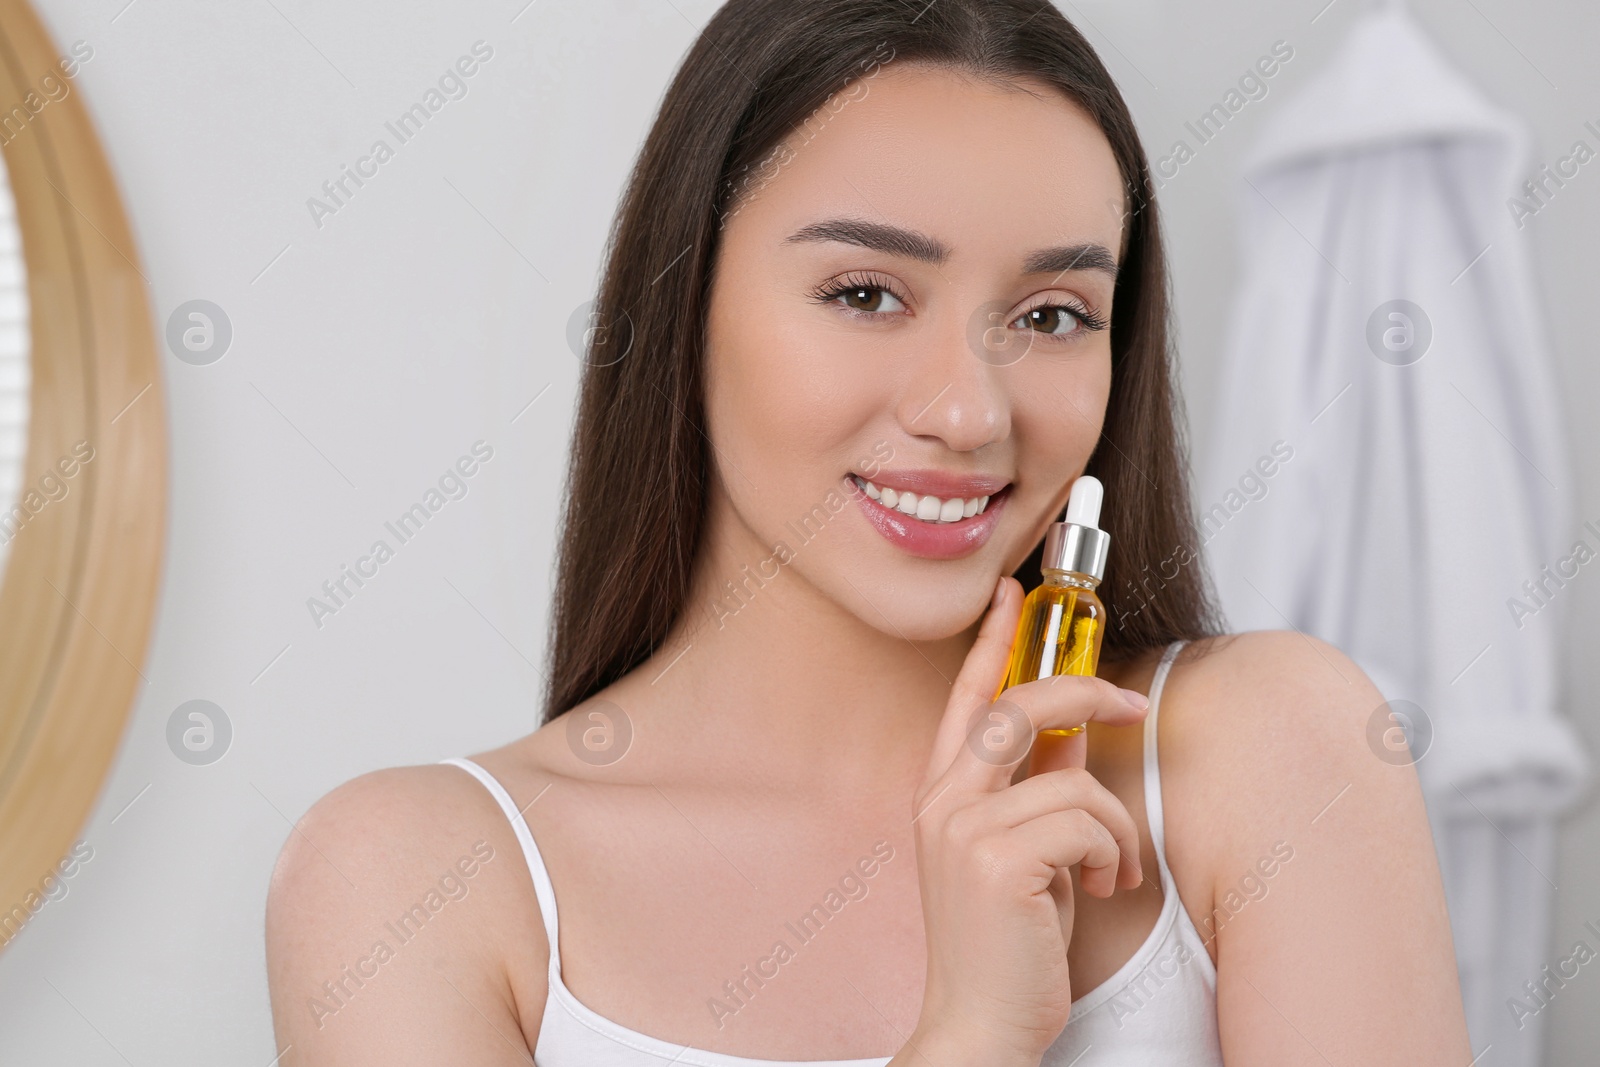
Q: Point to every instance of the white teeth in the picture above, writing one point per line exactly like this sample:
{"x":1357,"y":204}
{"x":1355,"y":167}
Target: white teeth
{"x":927,"y":508}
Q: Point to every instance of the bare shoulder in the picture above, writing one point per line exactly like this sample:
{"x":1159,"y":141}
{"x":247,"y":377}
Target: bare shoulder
{"x":387,"y":916}
{"x":387,"y":826}
{"x":1274,"y":718}
{"x":1263,"y":730}
{"x":1285,"y":799}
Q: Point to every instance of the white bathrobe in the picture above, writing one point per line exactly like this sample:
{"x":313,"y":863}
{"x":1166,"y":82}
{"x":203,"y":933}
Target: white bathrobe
{"x":1421,"y":473}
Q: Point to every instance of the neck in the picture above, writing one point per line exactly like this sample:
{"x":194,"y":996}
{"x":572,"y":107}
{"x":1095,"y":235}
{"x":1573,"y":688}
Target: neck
{"x":782,"y":686}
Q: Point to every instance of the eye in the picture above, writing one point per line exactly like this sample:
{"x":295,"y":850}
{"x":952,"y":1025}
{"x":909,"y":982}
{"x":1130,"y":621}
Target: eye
{"x":870,"y":298}
{"x":861,"y":294}
{"x":1060,"y":320}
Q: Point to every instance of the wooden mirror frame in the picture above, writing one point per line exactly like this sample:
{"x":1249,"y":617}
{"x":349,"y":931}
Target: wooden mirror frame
{"x":78,"y":594}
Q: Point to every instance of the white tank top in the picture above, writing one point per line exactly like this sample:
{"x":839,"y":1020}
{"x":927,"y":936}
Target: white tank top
{"x":1159,"y":1007}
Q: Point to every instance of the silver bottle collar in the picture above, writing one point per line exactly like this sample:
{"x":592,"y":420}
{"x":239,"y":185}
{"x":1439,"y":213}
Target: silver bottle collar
{"x":1069,"y":546}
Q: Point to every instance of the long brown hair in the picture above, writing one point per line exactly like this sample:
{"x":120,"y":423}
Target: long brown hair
{"x":756,"y":73}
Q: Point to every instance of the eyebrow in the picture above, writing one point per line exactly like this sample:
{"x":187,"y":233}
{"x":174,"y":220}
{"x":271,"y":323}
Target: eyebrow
{"x":895,"y":241}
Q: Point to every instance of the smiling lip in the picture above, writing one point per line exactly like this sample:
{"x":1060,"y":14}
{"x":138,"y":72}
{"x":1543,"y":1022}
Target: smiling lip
{"x":940,"y":483}
{"x":944,"y":540}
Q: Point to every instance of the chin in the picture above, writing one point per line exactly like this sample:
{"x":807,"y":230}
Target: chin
{"x":943,"y":618}
{"x":917,"y":602}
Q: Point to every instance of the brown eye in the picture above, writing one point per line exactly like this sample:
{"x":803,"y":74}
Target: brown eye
{"x":1051,"y":319}
{"x":861,"y":295}
{"x":867,"y":299}
{"x":862,"y":299}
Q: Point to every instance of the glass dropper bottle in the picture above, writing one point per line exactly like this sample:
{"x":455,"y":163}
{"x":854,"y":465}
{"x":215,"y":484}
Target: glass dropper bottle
{"x":1063,"y":620}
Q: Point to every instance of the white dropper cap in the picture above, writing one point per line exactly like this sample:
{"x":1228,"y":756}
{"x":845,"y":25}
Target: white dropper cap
{"x":1083,"y":506}
{"x":1077,"y":543}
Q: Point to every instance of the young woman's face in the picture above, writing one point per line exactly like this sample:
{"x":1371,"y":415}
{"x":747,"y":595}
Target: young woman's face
{"x":916,"y":295}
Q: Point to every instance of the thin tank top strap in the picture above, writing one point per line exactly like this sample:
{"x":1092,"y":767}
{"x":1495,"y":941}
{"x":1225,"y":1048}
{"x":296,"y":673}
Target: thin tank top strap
{"x":543,"y":889}
{"x":1152,"y":765}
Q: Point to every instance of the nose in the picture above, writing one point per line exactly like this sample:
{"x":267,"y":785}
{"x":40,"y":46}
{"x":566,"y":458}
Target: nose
{"x":950,"y":393}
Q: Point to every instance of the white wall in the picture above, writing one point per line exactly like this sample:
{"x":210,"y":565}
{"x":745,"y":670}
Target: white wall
{"x":370,"y":353}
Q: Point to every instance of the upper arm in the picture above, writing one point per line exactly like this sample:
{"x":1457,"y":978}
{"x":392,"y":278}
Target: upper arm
{"x":382,"y":923}
{"x":1343,"y":952}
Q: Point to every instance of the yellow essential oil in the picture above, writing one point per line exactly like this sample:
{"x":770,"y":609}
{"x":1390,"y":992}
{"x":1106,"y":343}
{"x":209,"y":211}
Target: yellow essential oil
{"x":1063,"y":620}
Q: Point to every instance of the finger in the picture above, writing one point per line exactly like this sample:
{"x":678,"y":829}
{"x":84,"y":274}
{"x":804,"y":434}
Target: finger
{"x":1063,"y":701}
{"x":1061,"y":888}
{"x":1001,"y":733}
{"x":1062,"y":839}
{"x":1072,"y":788}
{"x":1004,"y":731}
{"x":981,"y":673}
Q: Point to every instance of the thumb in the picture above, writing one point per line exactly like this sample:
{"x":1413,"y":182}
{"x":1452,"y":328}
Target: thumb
{"x":981,"y":672}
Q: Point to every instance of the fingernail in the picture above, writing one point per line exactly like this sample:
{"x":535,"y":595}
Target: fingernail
{"x":999,"y":592}
{"x":1137,"y":701}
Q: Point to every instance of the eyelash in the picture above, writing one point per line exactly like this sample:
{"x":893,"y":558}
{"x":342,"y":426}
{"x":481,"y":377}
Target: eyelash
{"x":829,"y":292}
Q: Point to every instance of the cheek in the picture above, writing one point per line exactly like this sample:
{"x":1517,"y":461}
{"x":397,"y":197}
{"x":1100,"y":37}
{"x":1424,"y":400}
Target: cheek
{"x":1059,"y":409}
{"x":783,"y":391}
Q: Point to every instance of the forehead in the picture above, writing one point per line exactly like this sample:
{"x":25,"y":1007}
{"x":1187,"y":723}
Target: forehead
{"x":974,"y":163}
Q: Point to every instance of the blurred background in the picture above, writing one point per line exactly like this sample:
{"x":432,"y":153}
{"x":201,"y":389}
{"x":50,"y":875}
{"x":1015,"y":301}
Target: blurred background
{"x":364,"y":342}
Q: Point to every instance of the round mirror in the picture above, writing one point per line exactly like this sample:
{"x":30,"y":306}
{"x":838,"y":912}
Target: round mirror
{"x":14,"y":376}
{"x":82,"y":464}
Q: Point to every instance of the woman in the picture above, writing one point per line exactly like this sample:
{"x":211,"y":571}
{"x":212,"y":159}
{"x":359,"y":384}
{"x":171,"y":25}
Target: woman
{"x":870,"y":254}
